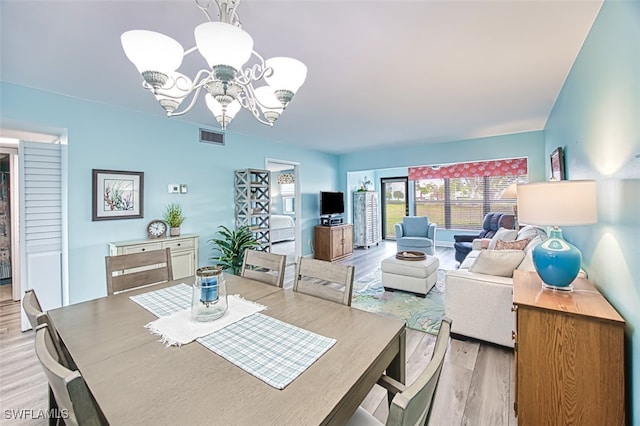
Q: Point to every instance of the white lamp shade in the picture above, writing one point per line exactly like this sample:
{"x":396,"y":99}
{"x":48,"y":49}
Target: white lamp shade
{"x":268,"y":100}
{"x":511,"y":193}
{"x":223,"y":44}
{"x":216,"y":107}
{"x":151,"y":51}
{"x":288,"y":73}
{"x":559,"y":203}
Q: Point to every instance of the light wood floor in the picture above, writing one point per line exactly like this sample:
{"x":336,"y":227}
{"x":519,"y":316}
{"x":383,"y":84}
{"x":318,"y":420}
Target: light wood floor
{"x":476,"y":386}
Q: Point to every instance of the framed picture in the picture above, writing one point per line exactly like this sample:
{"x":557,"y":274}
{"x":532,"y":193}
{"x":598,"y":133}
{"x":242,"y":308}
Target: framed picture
{"x":557,"y":164}
{"x":117,"y":194}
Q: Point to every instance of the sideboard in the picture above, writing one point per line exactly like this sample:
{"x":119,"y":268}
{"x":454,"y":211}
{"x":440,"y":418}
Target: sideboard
{"x":184,"y":251}
{"x":569,"y":355}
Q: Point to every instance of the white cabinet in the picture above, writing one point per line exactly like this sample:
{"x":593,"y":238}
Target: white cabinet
{"x":184,"y":252}
{"x":366,"y":230}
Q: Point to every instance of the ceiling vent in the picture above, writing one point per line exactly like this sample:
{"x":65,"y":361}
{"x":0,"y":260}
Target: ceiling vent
{"x":208,"y":136}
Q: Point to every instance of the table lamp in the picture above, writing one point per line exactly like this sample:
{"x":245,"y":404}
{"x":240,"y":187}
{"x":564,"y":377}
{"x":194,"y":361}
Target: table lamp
{"x":559,"y":203}
{"x":511,"y":193}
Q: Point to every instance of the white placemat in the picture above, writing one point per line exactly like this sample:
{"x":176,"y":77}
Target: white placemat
{"x":269,"y":349}
{"x":179,"y":328}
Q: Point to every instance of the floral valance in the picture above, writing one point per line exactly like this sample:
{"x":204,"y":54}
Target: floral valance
{"x":511,"y":167}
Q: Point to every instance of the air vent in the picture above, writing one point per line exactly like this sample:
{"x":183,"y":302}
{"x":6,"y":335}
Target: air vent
{"x":208,"y":136}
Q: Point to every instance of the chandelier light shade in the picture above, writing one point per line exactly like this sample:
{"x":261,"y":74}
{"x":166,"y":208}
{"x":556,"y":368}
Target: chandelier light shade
{"x":566,"y":203}
{"x":269,"y":103}
{"x":216,"y":109}
{"x":152,"y":52}
{"x":235,"y":51}
{"x":233,"y":68}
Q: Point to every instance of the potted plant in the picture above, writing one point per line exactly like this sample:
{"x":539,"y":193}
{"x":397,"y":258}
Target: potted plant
{"x":174,"y":218}
{"x":232,"y":246}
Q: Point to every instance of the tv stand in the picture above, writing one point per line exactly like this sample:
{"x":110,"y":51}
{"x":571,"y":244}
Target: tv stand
{"x":333,"y":242}
{"x":330,"y":221}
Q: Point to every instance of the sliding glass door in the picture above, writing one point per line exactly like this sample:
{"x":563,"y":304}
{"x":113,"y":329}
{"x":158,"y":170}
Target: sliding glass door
{"x":395,"y":204}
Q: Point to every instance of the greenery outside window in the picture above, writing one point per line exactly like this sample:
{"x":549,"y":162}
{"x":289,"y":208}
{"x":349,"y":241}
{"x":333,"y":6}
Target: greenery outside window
{"x":455,"y":201}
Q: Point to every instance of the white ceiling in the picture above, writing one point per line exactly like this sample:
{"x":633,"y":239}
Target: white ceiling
{"x":380,"y":72}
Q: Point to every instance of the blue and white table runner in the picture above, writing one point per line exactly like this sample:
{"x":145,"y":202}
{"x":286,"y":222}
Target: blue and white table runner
{"x":269,"y":349}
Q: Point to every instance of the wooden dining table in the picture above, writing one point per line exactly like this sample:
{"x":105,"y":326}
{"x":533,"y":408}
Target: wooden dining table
{"x":136,"y":379}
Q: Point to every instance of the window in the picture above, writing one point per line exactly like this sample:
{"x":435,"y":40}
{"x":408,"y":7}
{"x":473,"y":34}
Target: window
{"x":458,"y":196}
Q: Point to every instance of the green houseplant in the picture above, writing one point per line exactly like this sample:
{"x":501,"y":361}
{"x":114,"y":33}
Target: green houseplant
{"x":232,"y":245}
{"x":174,"y":218}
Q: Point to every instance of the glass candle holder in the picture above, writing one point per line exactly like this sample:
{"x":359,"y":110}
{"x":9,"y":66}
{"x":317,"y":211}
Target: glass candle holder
{"x":209,"y":300}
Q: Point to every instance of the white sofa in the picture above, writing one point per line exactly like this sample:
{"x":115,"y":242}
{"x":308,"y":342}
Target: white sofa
{"x":479,"y":304}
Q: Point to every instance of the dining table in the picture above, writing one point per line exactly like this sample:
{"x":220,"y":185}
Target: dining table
{"x":135,"y":378}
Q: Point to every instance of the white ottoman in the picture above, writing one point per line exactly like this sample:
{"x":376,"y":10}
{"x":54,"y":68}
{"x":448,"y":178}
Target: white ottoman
{"x":416,"y":276}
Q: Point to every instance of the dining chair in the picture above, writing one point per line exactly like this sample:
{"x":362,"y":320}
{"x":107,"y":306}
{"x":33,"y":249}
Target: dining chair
{"x":37,"y":316}
{"x":411,"y":405}
{"x":331,"y":281}
{"x":264,"y":267}
{"x":69,"y":388}
{"x":128,"y":271}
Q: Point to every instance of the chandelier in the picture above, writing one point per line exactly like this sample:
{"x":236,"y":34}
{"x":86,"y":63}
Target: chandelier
{"x":226,"y":48}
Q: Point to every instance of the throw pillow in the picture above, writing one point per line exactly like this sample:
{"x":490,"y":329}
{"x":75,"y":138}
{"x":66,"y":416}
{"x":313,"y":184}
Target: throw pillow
{"x":527,"y":262}
{"x":503,"y":234}
{"x":529,"y":231}
{"x":497,"y":262}
{"x":512,"y":245}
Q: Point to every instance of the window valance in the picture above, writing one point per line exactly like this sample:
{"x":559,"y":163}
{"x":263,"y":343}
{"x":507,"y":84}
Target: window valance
{"x":510,"y":167}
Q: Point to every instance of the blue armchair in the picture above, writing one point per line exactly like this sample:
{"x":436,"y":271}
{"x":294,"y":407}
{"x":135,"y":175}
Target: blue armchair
{"x":415,"y":233}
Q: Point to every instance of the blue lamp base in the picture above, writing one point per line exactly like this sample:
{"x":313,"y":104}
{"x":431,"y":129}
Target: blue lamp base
{"x":557,"y":262}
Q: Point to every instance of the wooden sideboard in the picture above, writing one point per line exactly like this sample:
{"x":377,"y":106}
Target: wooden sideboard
{"x":184,"y":251}
{"x":333,"y":242}
{"x":569,"y":355}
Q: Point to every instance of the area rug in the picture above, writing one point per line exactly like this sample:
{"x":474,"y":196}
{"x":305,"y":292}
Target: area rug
{"x":422,"y":314}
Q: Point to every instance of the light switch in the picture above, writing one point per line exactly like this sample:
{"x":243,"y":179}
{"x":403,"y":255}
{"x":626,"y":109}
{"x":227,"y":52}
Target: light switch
{"x":173,"y":188}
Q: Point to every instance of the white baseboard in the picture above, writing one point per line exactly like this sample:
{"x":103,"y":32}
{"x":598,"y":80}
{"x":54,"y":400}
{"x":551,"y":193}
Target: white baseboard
{"x":444,"y":243}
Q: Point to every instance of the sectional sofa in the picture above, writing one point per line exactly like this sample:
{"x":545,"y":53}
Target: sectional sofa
{"x":479,"y":294}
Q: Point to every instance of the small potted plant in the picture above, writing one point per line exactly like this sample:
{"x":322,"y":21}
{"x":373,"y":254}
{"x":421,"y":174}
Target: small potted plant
{"x":174,"y":218}
{"x":232,"y":246}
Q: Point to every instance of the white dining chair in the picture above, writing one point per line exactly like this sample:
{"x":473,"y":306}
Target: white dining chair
{"x":330,"y":281}
{"x":69,"y":388}
{"x":264,"y":267}
{"x":36,"y":316}
{"x":411,"y":404}
{"x":129,"y":271}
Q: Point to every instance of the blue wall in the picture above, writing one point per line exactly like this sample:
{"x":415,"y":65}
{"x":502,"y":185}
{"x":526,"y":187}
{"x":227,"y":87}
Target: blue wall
{"x":596,"y":119}
{"x":167,"y":151}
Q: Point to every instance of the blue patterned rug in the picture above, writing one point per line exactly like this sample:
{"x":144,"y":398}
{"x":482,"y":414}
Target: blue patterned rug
{"x":422,"y":314}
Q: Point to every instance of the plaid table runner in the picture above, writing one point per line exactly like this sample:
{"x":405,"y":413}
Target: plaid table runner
{"x":269,"y":349}
{"x":165,"y":301}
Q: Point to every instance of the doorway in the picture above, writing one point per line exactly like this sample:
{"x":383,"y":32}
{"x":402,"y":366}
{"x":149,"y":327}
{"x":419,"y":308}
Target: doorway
{"x":395,"y":204}
{"x":9,"y":266}
{"x":285,"y":208}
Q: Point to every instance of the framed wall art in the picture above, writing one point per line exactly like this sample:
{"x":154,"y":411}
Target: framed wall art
{"x":117,"y":194}
{"x":557,"y":164}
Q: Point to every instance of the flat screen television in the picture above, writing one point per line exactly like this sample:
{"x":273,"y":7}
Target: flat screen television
{"x":331,"y":203}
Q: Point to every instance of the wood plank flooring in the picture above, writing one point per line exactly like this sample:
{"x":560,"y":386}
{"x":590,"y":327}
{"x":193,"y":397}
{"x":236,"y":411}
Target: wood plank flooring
{"x":476,"y":385}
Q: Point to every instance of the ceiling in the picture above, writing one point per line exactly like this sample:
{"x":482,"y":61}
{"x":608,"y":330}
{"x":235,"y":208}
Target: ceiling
{"x":380,"y":73}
